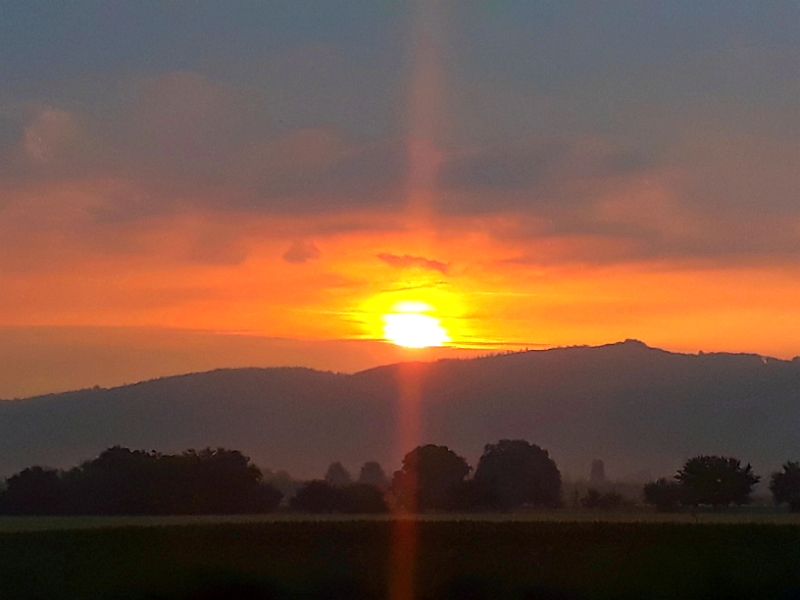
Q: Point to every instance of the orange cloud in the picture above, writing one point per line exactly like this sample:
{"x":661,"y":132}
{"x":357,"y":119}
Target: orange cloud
{"x":407,"y":261}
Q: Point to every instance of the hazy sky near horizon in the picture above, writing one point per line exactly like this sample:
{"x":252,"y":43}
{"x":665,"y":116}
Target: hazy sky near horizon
{"x":539,"y":173}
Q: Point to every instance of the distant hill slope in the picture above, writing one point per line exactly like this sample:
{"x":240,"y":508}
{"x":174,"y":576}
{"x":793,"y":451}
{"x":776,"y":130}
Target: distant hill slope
{"x":640,"y":409}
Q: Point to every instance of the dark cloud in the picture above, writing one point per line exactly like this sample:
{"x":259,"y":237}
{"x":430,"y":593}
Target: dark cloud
{"x":406,"y":261}
{"x":359,"y":175}
{"x":535,"y":174}
{"x":504,"y":167}
{"x":301,"y":251}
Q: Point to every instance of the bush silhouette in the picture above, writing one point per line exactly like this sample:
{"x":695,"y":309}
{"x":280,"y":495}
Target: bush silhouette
{"x":596,"y":499}
{"x":666,"y":496}
{"x":362,"y":498}
{"x":319,"y":496}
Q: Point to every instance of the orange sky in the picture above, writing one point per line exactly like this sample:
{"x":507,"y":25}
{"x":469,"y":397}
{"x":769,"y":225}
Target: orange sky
{"x":532,"y":191}
{"x":486,"y":290}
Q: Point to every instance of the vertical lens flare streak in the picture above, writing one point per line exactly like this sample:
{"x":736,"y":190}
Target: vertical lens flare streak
{"x":405,"y":534}
{"x":425,"y":117}
{"x":425,"y":104}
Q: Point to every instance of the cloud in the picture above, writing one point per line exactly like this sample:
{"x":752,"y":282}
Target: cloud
{"x":406,"y":261}
{"x":718,"y":179}
{"x":535,"y":174}
{"x":45,"y":135}
{"x":182,"y":139}
{"x":504,"y":167}
{"x":346,"y":175}
{"x":301,"y":252}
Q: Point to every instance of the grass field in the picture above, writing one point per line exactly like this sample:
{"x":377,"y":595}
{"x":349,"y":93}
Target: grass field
{"x":611,"y":557}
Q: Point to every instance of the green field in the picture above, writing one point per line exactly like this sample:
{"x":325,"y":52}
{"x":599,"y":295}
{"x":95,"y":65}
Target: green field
{"x":535,"y":556}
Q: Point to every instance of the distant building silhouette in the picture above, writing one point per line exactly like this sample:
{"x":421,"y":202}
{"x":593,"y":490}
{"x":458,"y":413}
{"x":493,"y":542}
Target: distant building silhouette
{"x":598,"y":474}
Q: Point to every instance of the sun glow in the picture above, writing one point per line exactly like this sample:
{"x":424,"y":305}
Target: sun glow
{"x":408,"y":326}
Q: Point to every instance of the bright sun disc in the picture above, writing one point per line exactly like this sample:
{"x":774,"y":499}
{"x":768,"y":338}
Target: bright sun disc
{"x":414,"y":330}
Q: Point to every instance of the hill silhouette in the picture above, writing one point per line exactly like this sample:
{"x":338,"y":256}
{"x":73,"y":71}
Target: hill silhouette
{"x":641,"y":409}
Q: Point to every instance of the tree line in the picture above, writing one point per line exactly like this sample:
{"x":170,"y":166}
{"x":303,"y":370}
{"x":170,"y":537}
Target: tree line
{"x":134,"y":482}
{"x":510,"y":474}
{"x":220,"y":481}
{"x":721,"y":481}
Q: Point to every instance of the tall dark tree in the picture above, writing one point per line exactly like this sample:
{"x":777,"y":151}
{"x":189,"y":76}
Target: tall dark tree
{"x":373,"y":474}
{"x":520,"y":473}
{"x":716,"y":480}
{"x":218,"y":481}
{"x":426,"y":477}
{"x":785,"y":486}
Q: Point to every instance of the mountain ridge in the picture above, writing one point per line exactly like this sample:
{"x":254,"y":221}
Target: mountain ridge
{"x":639,"y":408}
{"x":630,"y":342}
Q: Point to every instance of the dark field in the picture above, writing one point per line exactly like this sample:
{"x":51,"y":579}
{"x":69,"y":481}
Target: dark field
{"x":456,"y":560}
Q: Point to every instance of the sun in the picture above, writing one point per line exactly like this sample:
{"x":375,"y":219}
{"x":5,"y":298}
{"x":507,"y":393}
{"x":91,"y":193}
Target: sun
{"x":408,"y":326}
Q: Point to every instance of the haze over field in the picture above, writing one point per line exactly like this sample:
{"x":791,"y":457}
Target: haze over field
{"x":642,"y":410}
{"x":190,"y":185}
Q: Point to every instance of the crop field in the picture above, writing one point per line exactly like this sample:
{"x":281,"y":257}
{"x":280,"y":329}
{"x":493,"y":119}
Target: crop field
{"x":528,"y":557}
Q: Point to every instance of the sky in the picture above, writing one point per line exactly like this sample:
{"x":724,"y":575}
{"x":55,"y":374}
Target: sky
{"x":193,"y":184}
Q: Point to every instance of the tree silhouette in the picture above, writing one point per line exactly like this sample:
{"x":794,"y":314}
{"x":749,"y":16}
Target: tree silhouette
{"x":716,"y":480}
{"x":427,"y":475}
{"x":337,"y":475}
{"x":216,"y":481}
{"x":785,"y":486}
{"x":33,"y":491}
{"x":372,"y":474}
{"x":118,"y":482}
{"x":520,"y":473}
